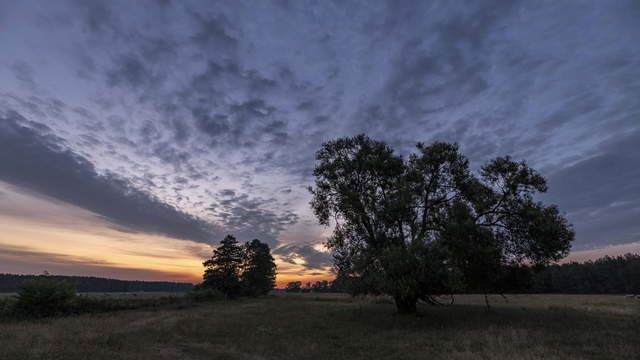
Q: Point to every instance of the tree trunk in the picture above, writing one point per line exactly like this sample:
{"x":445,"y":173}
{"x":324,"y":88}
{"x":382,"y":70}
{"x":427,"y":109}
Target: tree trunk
{"x":486,"y":301}
{"x":406,"y":305}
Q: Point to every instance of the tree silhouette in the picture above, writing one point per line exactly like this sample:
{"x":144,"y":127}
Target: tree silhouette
{"x":240,"y":270}
{"x":222,"y":271}
{"x":294,"y":287}
{"x":259,"y":270}
{"x":607,"y":275}
{"x":422,"y":226}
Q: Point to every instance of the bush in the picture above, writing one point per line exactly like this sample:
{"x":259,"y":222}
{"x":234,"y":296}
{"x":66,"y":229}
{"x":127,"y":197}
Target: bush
{"x":46,"y":296}
{"x":7,"y":306}
{"x":205,"y":294}
{"x":43,"y":297}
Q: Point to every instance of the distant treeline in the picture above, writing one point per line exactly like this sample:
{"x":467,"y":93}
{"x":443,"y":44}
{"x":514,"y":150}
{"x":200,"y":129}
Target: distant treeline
{"x":9,"y":282}
{"x":323,"y":286}
{"x":607,"y":275}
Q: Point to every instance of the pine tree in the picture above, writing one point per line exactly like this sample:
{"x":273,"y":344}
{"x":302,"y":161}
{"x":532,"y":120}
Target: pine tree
{"x":222,"y":271}
{"x":259,"y":270}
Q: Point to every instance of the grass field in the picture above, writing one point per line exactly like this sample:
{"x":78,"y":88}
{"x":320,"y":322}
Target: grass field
{"x":328,"y":326}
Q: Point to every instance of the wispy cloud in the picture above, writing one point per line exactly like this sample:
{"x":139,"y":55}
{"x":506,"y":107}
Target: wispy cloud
{"x":194,"y":119}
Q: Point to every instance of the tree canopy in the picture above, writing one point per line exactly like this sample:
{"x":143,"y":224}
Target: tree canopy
{"x":426,"y":225}
{"x":235,"y":269}
{"x":258,"y":275}
{"x":606,"y":275}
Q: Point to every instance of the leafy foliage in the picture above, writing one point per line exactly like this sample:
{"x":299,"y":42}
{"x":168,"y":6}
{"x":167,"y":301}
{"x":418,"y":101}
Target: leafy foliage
{"x":235,"y":270}
{"x":259,"y":269}
{"x":422,"y":226}
{"x":43,"y":297}
{"x":223,"y":269}
{"x":607,"y":275}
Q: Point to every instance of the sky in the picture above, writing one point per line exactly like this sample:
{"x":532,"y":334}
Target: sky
{"x":134,"y":135}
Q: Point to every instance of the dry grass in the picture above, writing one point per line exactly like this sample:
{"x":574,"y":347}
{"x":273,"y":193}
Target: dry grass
{"x":309,"y":326}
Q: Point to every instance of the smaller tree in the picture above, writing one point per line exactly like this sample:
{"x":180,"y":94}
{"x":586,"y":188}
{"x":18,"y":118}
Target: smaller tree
{"x":320,"y":286}
{"x":294,"y":287}
{"x":259,"y":270}
{"x":222,"y":271}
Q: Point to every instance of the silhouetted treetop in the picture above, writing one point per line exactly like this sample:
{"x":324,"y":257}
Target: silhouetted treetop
{"x":426,"y":225}
{"x":235,"y":270}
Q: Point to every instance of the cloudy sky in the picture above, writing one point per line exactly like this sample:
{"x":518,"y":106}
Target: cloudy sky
{"x":135,"y":134}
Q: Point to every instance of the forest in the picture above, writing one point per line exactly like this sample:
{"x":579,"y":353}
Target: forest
{"x":606,"y":275}
{"x":83,"y":284}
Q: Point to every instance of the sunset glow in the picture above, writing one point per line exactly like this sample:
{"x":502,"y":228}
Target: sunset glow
{"x":134,"y":136}
{"x":43,"y":234}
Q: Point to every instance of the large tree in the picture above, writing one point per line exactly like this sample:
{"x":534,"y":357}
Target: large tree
{"x":259,"y":269}
{"x":425,"y":225}
{"x":222,"y":271}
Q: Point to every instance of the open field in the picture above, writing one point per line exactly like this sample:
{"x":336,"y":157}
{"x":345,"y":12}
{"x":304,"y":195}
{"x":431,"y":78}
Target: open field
{"x":328,"y":326}
{"x":125,"y":295}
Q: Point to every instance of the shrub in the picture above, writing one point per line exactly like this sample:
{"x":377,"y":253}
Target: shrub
{"x":7,"y":306}
{"x":205,"y":294}
{"x":44,"y":296}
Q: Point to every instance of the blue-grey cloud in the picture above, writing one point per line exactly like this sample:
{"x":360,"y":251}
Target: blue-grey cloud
{"x":34,"y":159}
{"x":601,"y":193}
{"x":313,"y":259}
{"x":217,"y":108}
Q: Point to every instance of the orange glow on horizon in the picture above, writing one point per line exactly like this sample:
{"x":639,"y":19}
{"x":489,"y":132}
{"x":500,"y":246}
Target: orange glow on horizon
{"x":44,"y":234}
{"x":40,"y":233}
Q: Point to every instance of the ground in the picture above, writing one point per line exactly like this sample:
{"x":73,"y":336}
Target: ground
{"x":329,"y":326}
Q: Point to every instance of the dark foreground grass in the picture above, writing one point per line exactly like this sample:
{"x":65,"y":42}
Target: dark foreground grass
{"x":308,"y":326}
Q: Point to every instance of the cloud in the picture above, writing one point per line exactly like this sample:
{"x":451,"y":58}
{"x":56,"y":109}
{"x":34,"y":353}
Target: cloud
{"x":311,"y":258}
{"x":132,"y":72}
{"x":38,"y":161}
{"x":216,"y":110}
{"x":213,"y":31}
{"x":22,"y":259}
{"x":441,"y":62}
{"x":249,"y":218}
{"x":601,"y":193}
{"x":25,"y":74}
{"x":97,"y":16}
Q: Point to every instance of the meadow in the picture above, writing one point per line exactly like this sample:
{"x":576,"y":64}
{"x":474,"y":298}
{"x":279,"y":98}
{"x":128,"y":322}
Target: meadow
{"x":335,"y":326}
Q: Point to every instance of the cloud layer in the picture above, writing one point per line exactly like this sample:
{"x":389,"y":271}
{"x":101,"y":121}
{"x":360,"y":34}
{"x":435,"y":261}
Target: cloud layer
{"x":34,"y":159}
{"x":194,"y":119}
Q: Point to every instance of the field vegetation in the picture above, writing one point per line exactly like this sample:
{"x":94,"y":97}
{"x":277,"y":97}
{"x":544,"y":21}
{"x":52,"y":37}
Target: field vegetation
{"x":44,"y":297}
{"x":336,"y":326}
{"x":405,"y":229}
